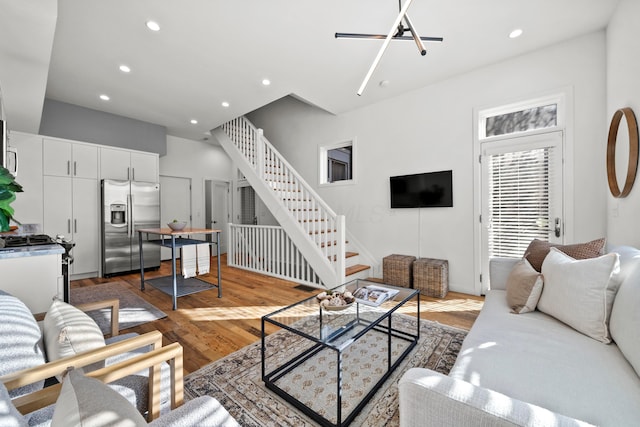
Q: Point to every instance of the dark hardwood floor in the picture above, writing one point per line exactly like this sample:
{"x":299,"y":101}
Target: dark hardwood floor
{"x":209,"y":327}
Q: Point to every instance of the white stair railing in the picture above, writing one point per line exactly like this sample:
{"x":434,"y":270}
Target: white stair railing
{"x":268,"y":250}
{"x":316,"y":222}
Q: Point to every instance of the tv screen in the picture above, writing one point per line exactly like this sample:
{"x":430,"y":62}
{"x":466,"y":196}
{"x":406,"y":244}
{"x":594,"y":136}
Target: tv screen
{"x":423,"y":190}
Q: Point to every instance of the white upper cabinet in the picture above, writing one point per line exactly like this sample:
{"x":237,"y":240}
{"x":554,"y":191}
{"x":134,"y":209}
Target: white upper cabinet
{"x":128,"y":165}
{"x":28,"y":204}
{"x":65,"y":158}
{"x":144,"y":167}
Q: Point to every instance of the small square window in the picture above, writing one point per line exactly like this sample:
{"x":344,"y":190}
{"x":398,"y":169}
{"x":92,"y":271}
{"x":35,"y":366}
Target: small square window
{"x":337,"y":163}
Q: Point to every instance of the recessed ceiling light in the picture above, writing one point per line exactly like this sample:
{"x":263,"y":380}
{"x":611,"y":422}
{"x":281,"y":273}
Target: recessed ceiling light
{"x":515,"y":33}
{"x":104,"y":97}
{"x":266,"y":82}
{"x":125,"y":68}
{"x":153,"y":26}
{"x":194,"y":122}
{"x":225,"y":104}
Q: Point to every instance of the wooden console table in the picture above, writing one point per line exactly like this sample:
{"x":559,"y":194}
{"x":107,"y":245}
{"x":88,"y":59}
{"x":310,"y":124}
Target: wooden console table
{"x":171,"y":239}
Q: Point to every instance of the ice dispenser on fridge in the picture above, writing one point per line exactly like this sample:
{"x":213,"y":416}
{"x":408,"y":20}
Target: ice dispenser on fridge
{"x":118,"y":214}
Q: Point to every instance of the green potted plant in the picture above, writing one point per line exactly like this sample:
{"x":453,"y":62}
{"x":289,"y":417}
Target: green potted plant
{"x":8,"y":189}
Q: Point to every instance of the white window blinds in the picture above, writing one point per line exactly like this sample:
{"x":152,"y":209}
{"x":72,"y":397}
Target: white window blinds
{"x":520,"y":203}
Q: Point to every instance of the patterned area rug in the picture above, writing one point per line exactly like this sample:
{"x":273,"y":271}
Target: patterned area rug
{"x":236,"y":379}
{"x":134,"y":310}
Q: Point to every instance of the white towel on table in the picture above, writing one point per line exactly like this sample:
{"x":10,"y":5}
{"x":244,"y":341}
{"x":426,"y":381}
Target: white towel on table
{"x":188,"y":261}
{"x":204,"y":258}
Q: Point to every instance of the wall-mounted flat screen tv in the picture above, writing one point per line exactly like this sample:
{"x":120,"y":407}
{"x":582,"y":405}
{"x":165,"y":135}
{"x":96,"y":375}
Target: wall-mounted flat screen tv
{"x":423,"y":190}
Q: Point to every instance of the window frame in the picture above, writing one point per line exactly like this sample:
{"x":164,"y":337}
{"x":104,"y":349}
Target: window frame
{"x":323,"y":163}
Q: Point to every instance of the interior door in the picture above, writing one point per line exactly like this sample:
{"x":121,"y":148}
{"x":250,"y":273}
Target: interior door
{"x":217,"y":209}
{"x":522,"y":195}
{"x":175,"y":203}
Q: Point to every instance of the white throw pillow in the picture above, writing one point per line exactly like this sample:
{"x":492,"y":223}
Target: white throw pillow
{"x":580,"y":293}
{"x":87,"y":402}
{"x":68,"y":331}
{"x":524,"y":287}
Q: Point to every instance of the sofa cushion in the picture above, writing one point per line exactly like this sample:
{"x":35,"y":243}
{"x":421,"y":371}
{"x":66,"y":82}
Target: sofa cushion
{"x":68,"y":331}
{"x":524,"y":287}
{"x":538,"y":250}
{"x":20,"y":341}
{"x":625,"y":313}
{"x":580,"y":293}
{"x":87,"y":402}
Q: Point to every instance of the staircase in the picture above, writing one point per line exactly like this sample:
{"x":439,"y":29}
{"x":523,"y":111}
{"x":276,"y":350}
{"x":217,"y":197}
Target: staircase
{"x":311,"y":238}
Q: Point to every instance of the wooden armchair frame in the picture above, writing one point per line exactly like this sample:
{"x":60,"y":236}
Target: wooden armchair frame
{"x":151,"y":360}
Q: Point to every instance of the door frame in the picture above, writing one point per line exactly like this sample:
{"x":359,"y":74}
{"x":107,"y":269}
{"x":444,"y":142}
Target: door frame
{"x":564,"y":96}
{"x":228,"y":184}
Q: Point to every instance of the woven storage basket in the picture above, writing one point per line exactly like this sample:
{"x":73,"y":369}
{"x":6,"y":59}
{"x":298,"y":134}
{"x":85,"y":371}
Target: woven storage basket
{"x":396,"y":270}
{"x":431,"y":276}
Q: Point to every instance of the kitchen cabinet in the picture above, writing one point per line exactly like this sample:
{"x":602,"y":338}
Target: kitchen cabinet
{"x":71,"y":208}
{"x":128,"y":165}
{"x":66,"y":158}
{"x":28,"y":204}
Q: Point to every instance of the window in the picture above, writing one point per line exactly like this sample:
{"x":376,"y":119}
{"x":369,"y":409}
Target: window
{"x":337,"y":163}
{"x":521,"y":121}
{"x":538,"y":114}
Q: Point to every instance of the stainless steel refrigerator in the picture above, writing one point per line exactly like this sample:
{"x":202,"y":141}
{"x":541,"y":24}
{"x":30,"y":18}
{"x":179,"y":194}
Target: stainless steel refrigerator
{"x":126,"y":207}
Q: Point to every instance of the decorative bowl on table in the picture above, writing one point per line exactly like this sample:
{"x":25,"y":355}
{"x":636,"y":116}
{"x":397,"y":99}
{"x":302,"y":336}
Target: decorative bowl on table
{"x":335,"y":301}
{"x":177,"y":225}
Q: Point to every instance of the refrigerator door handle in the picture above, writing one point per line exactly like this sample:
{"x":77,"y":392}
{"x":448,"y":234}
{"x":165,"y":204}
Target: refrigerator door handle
{"x":133,"y":214}
{"x":128,"y":215}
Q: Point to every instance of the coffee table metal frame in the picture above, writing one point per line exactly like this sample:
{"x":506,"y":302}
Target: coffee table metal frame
{"x":364,"y":319}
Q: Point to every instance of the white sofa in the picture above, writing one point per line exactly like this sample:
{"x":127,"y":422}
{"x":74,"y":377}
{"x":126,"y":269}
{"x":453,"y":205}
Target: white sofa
{"x":533,"y":370}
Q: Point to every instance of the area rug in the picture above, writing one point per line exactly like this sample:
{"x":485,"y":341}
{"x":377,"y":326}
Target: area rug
{"x":134,"y":310}
{"x":236,"y":381}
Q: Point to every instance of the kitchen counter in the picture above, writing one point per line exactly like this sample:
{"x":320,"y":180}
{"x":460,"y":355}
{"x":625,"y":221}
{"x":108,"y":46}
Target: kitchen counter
{"x":28,"y":251}
{"x":33,"y":274}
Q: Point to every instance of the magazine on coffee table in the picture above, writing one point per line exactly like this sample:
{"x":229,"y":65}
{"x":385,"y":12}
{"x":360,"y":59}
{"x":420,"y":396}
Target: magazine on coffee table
{"x":374,"y":295}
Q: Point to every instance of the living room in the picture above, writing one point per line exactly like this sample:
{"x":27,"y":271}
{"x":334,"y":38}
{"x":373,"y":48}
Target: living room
{"x":434,"y":128}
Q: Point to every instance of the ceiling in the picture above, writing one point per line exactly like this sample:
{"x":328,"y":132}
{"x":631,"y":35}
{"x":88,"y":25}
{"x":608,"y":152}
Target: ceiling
{"x":213,"y":51}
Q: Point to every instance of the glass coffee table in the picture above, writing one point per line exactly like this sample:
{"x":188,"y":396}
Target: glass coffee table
{"x":333,"y":361}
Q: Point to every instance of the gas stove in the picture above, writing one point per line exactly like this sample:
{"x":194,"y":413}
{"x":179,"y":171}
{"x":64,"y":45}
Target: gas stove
{"x":28,"y":240}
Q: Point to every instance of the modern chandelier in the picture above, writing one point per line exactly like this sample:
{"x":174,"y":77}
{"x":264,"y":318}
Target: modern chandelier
{"x":395,"y":33}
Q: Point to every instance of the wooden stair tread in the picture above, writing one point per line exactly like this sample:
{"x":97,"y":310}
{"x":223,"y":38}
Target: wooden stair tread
{"x":356,"y":269}
{"x":346,"y":255}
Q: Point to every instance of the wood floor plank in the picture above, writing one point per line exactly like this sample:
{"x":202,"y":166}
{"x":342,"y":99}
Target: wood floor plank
{"x":209,"y":327}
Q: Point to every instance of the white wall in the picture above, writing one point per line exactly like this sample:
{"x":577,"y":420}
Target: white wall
{"x":623,"y":90}
{"x":431,"y":129}
{"x":199,"y":161}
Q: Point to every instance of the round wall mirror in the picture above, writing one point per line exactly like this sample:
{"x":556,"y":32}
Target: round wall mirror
{"x":632,"y":166}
